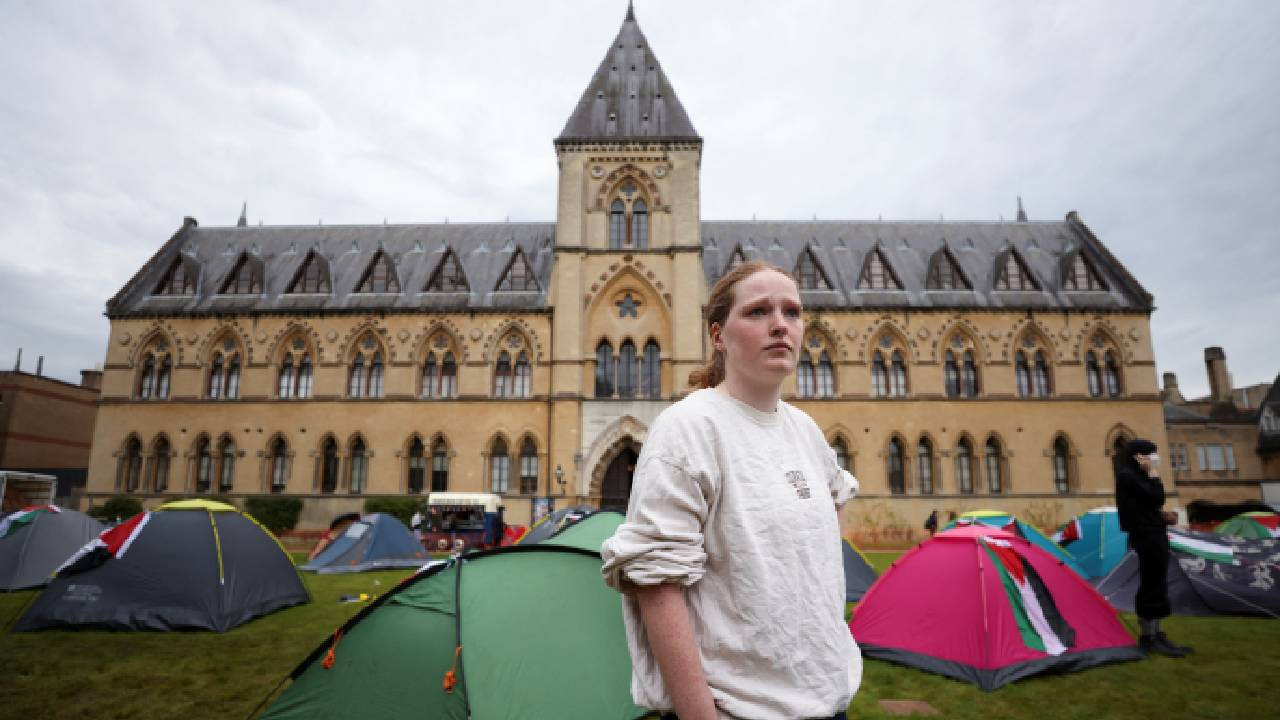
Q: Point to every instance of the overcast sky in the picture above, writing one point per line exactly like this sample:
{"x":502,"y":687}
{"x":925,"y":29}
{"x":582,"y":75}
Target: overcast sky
{"x":1159,"y":121}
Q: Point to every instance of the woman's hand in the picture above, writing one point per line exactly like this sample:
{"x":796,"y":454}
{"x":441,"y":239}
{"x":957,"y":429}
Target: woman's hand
{"x":665,"y":614}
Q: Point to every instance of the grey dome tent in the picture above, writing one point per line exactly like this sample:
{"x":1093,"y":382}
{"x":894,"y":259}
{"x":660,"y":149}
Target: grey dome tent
{"x":554,"y":523}
{"x":859,"y":576}
{"x":376,"y":541}
{"x":1209,"y":574}
{"x":187,"y":565}
{"x":36,"y":541}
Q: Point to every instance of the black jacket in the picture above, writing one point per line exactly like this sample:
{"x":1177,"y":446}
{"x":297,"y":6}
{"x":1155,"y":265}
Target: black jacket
{"x":1138,"y":499}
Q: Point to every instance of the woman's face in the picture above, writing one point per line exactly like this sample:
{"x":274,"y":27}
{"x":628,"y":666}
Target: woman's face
{"x":760,"y":337}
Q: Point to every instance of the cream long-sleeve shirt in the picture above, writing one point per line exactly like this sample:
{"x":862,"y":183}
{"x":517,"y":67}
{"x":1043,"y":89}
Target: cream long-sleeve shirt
{"x":740,"y":507}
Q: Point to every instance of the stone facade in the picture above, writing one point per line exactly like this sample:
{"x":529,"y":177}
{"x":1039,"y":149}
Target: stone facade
{"x":619,"y":280}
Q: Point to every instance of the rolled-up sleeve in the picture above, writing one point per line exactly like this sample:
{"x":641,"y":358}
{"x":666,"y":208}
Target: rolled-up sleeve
{"x":661,"y":540}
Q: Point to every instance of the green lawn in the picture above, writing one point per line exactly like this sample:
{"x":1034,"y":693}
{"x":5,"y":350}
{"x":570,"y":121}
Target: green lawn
{"x":147,"y":676}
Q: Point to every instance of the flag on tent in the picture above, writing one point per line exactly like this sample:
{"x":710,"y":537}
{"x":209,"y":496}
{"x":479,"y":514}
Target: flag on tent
{"x":13,"y":521}
{"x":113,"y":542}
{"x":1200,"y":546}
{"x":1039,"y":623}
{"x":1068,"y":533}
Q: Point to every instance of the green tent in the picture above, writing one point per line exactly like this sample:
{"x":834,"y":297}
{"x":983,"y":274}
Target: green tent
{"x":1251,"y":525}
{"x":540,"y":634}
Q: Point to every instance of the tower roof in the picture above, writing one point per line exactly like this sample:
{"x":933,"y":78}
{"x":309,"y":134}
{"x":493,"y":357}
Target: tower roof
{"x":629,"y":97}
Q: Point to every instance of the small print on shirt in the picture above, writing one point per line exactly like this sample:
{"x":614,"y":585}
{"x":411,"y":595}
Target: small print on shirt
{"x":798,"y":483}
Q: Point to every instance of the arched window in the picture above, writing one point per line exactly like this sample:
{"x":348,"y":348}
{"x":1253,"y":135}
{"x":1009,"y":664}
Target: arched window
{"x":216,"y":377}
{"x":417,"y":465}
{"x":898,"y":378}
{"x":640,"y":224}
{"x":894,"y":466}
{"x":951,"y":375}
{"x":1093,"y":374}
{"x":617,"y":226}
{"x":294,"y":380}
{"x":826,"y":376}
{"x":1044,"y":387}
{"x":804,"y":375}
{"x":604,"y":370}
{"x":153,"y":383}
{"x":162,"y":377}
{"x":924,"y":466}
{"x":285,"y":385}
{"x":439,"y":466}
{"x":303,"y":387}
{"x":1061,"y":465}
{"x":147,"y":381}
{"x":879,"y":376}
{"x":628,"y":372}
{"x":226,"y":464}
{"x":204,"y":465}
{"x":359,"y":466}
{"x":523,"y":376}
{"x":160,"y":466}
{"x":528,"y":468}
{"x":279,"y":465}
{"x":132,"y":465}
{"x":964,"y":467}
{"x":841,"y":449}
{"x":329,"y":466}
{"x":232,"y":384}
{"x":1112,"y":374}
{"x":355,"y":384}
{"x":969,"y":376}
{"x":499,"y":467}
{"x":995,"y":479}
{"x":375,"y":376}
{"x":502,"y":375}
{"x":651,"y":372}
{"x":1023,"y":370}
{"x":440,"y":370}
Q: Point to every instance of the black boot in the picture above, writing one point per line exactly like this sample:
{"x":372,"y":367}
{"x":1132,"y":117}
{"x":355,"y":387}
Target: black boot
{"x":1160,"y":645}
{"x":1184,"y":649}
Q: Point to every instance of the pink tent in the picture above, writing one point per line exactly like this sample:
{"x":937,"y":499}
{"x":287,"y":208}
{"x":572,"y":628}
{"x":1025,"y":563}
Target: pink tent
{"x":980,"y":604}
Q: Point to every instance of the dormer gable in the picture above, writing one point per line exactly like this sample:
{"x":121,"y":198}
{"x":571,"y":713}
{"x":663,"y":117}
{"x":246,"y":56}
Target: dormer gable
{"x":877,"y":273}
{"x":809,"y":273}
{"x":1011,"y":272}
{"x":312,"y":276}
{"x":179,"y":279}
{"x":245,"y":277}
{"x":448,"y":275}
{"x":945,"y":273}
{"x":518,"y":275}
{"x":380,"y":276}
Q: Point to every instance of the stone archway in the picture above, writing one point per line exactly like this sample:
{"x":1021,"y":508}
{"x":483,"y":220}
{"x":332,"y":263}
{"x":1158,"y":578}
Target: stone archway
{"x":615,"y":485}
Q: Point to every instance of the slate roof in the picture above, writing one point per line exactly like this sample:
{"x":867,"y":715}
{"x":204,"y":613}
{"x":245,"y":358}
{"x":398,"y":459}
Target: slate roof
{"x":979,"y":248}
{"x":484,"y":250}
{"x":629,"y":97}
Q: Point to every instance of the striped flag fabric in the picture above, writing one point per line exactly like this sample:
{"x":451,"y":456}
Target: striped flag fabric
{"x":113,"y":542}
{"x":1209,"y":549}
{"x":1039,"y":622}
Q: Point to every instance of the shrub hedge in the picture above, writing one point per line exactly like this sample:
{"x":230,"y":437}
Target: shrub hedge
{"x":275,"y":513}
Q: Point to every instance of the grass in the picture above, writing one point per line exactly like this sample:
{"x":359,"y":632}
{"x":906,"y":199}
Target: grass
{"x":147,"y":676}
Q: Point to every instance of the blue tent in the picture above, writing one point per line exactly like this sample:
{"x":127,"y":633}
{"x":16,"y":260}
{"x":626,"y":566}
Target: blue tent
{"x":1095,"y":540}
{"x":376,"y":541}
{"x":1009,"y":523}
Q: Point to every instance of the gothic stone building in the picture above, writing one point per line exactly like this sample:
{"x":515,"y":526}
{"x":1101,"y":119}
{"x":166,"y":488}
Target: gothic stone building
{"x":952,"y":365}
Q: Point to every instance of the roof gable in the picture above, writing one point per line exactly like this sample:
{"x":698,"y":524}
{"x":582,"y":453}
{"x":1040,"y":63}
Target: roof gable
{"x":448,"y":275}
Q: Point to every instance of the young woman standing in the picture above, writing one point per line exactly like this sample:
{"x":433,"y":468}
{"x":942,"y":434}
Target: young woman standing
{"x":730,"y":559}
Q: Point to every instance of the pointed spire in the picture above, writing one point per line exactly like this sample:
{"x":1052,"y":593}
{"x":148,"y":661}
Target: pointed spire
{"x":244,"y":217}
{"x":1022,"y":214}
{"x":629,"y":96}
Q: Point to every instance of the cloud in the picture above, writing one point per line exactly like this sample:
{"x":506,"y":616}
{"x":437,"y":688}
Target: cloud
{"x":1153,"y":118}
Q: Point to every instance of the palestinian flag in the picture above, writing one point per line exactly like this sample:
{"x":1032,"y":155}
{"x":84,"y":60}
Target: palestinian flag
{"x":1068,"y":533}
{"x":11,"y":522}
{"x":1219,"y":552}
{"x":110,"y":543}
{"x":1039,"y":622}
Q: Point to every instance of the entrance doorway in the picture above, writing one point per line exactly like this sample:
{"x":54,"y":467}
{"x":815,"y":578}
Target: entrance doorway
{"x":615,"y":489}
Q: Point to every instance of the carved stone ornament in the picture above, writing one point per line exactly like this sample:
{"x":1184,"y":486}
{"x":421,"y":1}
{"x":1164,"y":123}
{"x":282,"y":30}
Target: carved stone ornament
{"x":476,"y":334}
{"x":597,"y":171}
{"x":331,"y":335}
{"x":1134,"y":334}
{"x":851,"y":334}
{"x":125,"y":338}
{"x":261,"y":336}
{"x":994,"y":334}
{"x":403,"y":335}
{"x":1064,"y":334}
{"x":923,"y":333}
{"x":660,"y":171}
{"x":193,"y":337}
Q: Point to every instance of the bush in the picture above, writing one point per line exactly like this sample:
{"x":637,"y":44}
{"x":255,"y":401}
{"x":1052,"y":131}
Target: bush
{"x":120,"y":506}
{"x":275,"y":513}
{"x":401,"y":508}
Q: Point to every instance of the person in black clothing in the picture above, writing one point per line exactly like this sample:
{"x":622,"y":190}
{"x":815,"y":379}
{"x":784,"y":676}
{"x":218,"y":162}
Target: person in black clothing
{"x":1139,"y":499}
